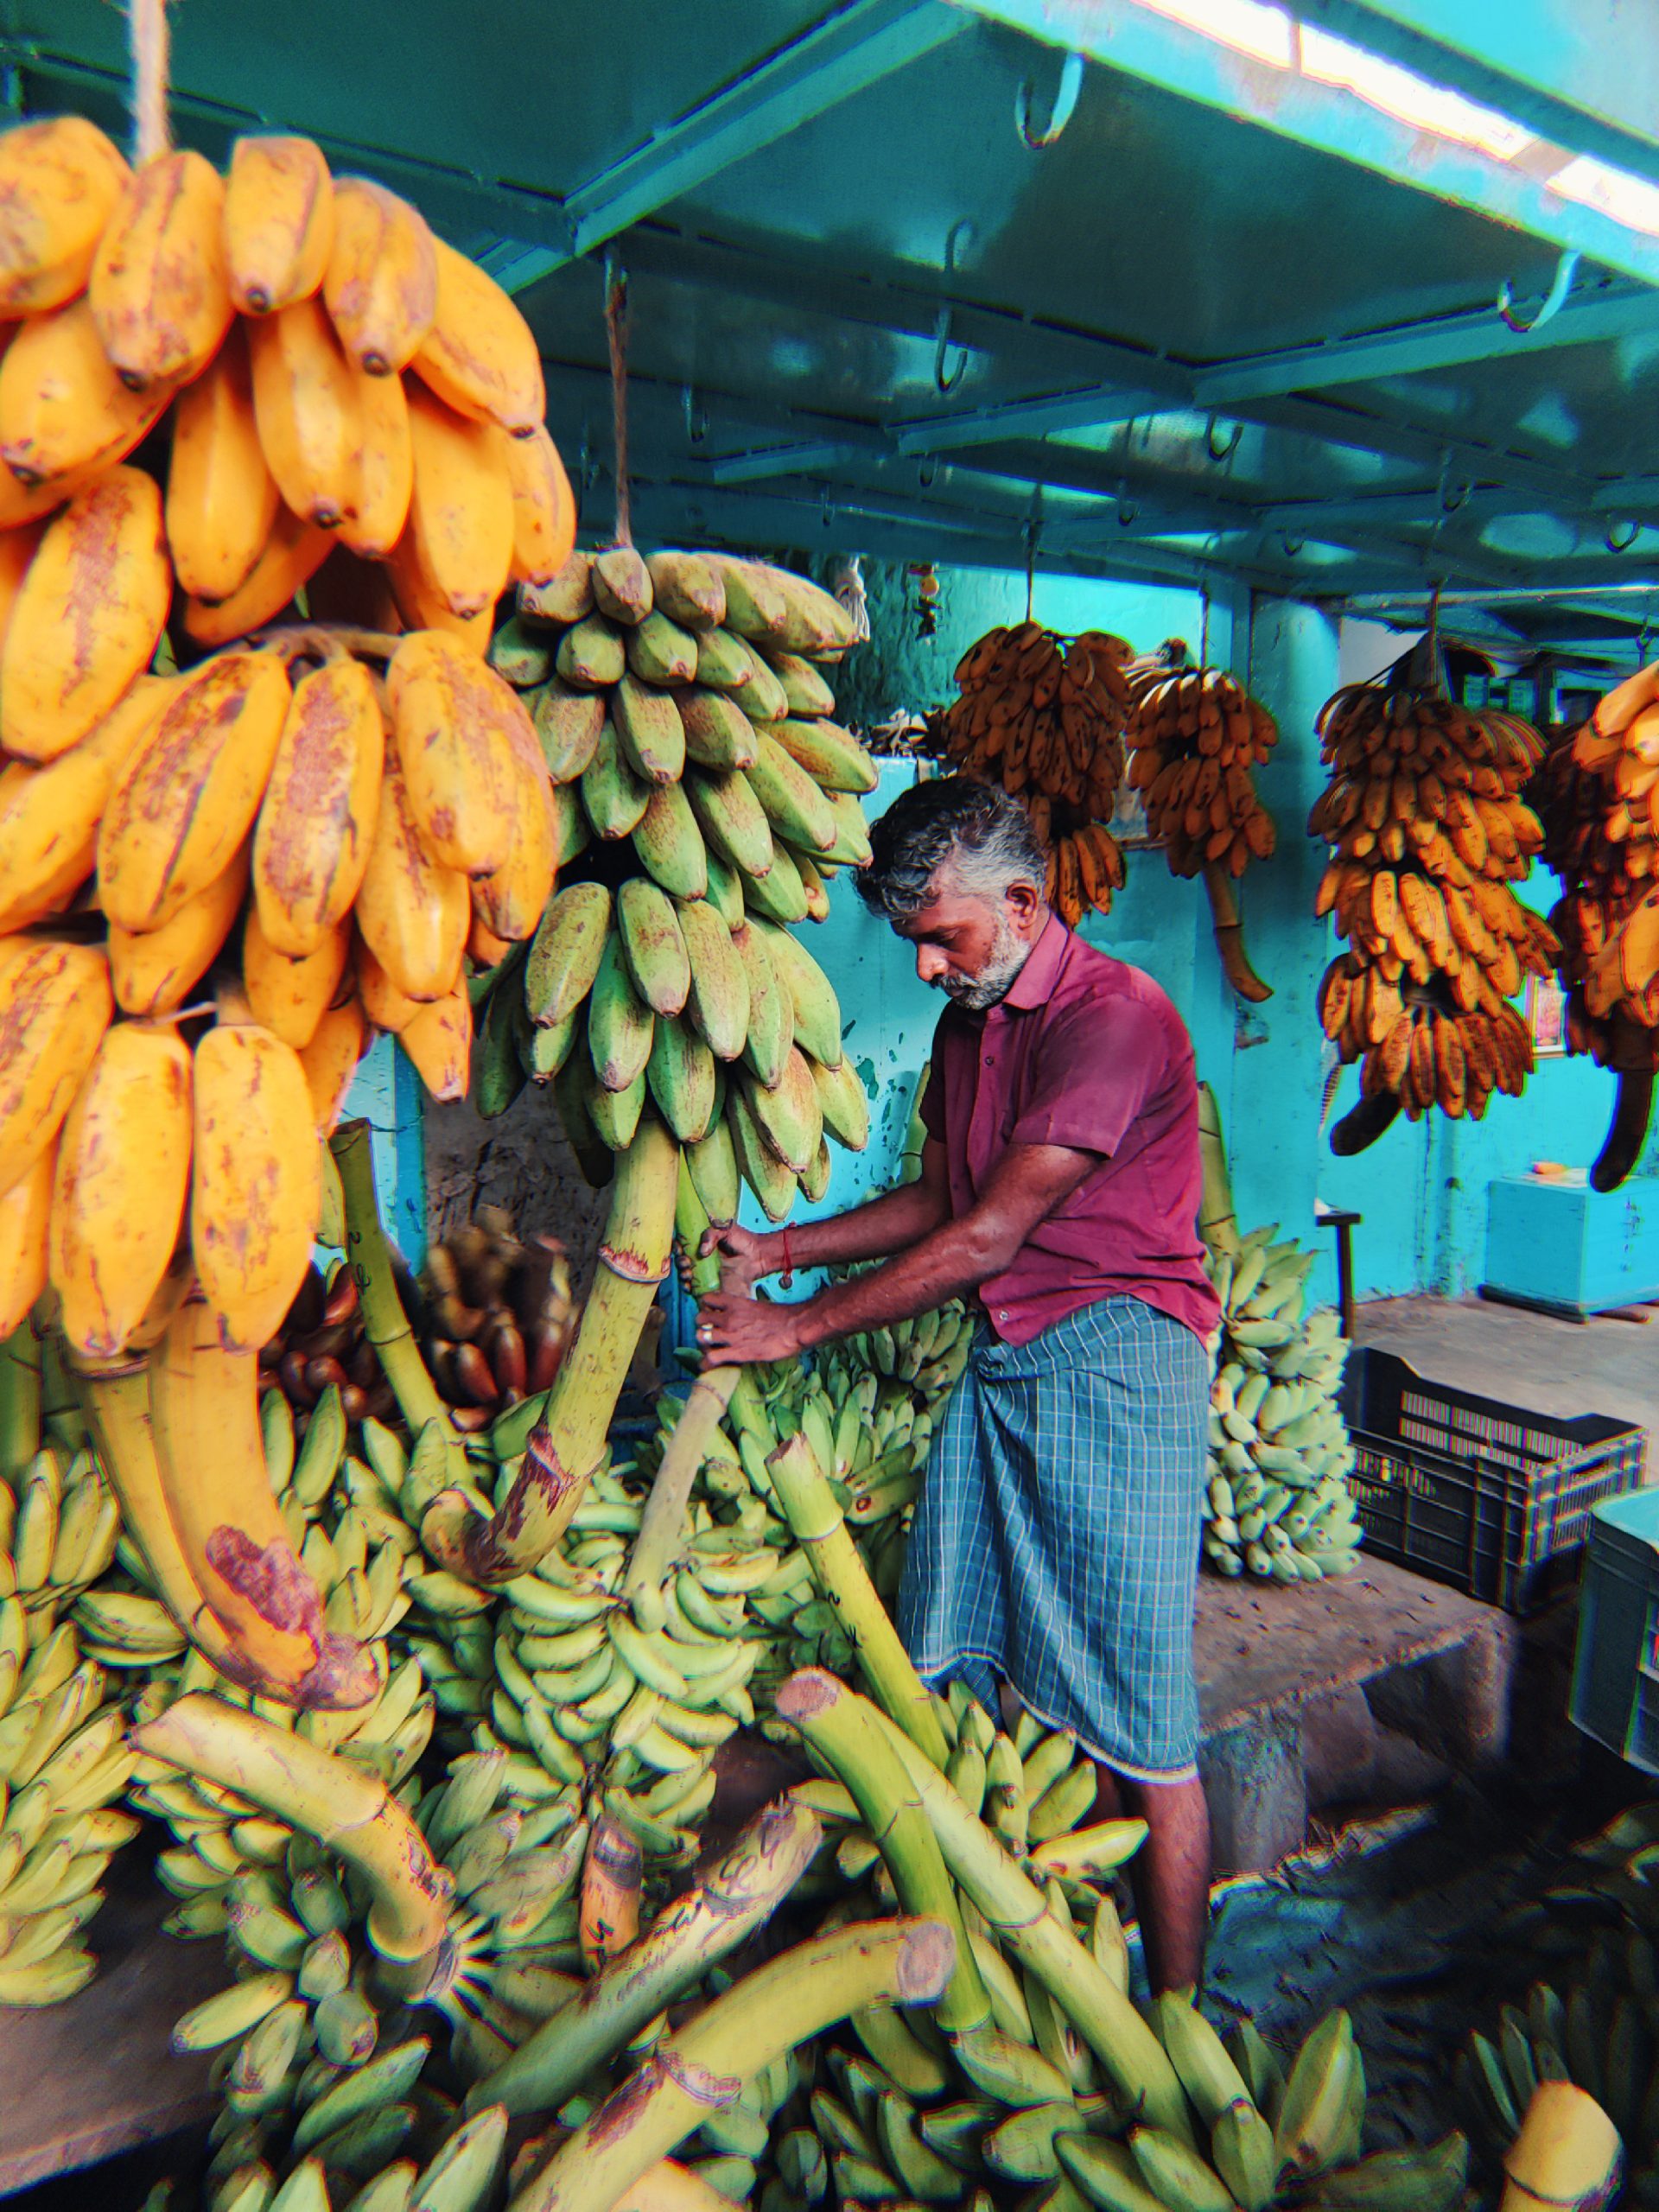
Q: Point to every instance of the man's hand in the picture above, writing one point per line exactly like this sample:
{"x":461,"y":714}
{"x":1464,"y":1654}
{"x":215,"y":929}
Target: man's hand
{"x":733,"y":1330}
{"x":741,"y":1255}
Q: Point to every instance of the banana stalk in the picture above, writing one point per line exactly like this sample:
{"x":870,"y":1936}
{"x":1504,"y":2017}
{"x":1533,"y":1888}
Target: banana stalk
{"x":810,"y":1507}
{"x":568,"y":1442}
{"x":1218,"y":1223}
{"x":842,"y":1731}
{"x":709,"y":1921}
{"x":384,"y":1322}
{"x":1015,"y":1908}
{"x":342,"y":1805}
{"x":704,"y":2066}
{"x":20,"y":1401}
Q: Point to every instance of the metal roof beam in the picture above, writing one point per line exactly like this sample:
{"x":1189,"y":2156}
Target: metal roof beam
{"x":854,"y":46}
{"x":1285,"y":97}
{"x":1584,"y":73}
{"x":1002,"y":421}
{"x":1446,"y":341}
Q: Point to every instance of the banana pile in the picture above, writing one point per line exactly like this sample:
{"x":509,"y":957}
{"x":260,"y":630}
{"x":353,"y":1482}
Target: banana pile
{"x":1590,"y":2018}
{"x":1425,"y":813}
{"x":1195,"y":733}
{"x":1044,"y":716}
{"x":1601,"y":834}
{"x":1278,"y":1505}
{"x":63,"y":1755}
{"x":218,"y":877}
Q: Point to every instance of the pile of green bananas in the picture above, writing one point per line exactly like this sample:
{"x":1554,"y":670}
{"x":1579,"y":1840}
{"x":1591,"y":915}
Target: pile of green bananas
{"x":1278,"y":1505}
{"x":307,"y":2070}
{"x":358,"y":1552}
{"x":63,"y":1755}
{"x":703,"y":795}
{"x":1595,"y":2019}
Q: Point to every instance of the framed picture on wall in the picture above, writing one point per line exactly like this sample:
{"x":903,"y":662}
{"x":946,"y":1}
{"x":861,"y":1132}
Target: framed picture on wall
{"x":1545,"y":1007}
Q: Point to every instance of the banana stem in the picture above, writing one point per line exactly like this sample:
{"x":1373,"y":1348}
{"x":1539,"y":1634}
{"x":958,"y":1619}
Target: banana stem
{"x":810,"y":1507}
{"x":704,"y":2066}
{"x":322,"y":641}
{"x":708,"y":1922}
{"x":691,"y":1225}
{"x":1230,"y":936}
{"x":1018,"y":1915}
{"x":670,"y":1493}
{"x":384,"y":1322}
{"x":1218,"y":1223}
{"x":567,"y":1443}
{"x":342,"y":1805}
{"x":20,"y":1403}
{"x":846,"y":1735}
{"x":1628,"y":1130}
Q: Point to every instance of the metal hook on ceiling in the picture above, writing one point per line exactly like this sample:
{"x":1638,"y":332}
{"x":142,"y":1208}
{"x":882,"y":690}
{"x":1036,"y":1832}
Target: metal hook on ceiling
{"x":826,"y":509}
{"x":696,"y":417}
{"x":1291,"y":546}
{"x":1222,"y":452}
{"x":1066,"y":101}
{"x":1555,"y":298}
{"x":1615,"y":543}
{"x":927,"y":471}
{"x":946,"y":380}
{"x":1128,"y":509}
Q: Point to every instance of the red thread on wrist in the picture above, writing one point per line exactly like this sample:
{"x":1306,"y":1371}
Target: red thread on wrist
{"x":788,"y":1275}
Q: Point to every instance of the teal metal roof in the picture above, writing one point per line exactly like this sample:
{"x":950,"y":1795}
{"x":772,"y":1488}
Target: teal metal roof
{"x":1238,"y":322}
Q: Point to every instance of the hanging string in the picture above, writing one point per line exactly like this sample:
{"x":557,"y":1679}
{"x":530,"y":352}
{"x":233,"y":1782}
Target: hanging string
{"x":1031,"y":569}
{"x":1204,"y":628}
{"x":148,"y":40}
{"x":616,"y":337}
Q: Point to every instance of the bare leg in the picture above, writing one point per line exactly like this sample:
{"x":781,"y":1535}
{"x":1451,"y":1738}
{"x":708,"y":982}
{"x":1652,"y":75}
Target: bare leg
{"x":1170,"y":1873}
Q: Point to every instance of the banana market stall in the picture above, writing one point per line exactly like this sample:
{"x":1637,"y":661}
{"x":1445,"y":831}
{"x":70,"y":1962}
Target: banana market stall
{"x":463,"y":561}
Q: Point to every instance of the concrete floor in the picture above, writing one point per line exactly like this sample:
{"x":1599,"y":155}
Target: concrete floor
{"x":1530,"y":1360}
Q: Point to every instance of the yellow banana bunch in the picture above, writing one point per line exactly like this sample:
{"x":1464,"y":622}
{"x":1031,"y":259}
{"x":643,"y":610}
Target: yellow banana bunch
{"x":1430,"y":831}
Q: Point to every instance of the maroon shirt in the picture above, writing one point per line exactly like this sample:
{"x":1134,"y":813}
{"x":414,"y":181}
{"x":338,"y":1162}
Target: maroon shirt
{"x":1088,"y":1052}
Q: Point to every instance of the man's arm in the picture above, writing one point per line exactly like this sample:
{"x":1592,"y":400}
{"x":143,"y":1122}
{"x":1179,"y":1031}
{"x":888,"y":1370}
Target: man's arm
{"x":890,"y":1223}
{"x":951,"y":1258}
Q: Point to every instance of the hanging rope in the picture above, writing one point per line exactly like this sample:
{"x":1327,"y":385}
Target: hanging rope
{"x":1204,"y":628}
{"x":148,"y":39}
{"x":616,"y":338}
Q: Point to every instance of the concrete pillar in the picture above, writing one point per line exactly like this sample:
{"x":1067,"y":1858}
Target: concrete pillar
{"x":1270,"y":1104}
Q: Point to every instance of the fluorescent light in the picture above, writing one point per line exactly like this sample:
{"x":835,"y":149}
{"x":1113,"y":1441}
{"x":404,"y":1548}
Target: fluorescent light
{"x":1408,"y":98}
{"x":1628,"y":199}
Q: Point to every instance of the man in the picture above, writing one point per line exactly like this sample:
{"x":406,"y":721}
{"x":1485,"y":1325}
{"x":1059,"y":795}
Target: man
{"x":1057,"y":1541}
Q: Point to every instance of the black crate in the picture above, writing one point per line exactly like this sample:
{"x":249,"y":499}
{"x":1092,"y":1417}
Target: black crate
{"x":1473,"y":1492}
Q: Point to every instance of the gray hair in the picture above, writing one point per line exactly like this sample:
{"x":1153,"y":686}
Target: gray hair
{"x":976,"y":829}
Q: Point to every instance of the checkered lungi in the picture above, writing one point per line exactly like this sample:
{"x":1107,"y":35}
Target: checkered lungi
{"x":1057,"y":1540}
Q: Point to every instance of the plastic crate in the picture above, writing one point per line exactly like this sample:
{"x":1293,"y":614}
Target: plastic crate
{"x":1616,"y":1667}
{"x":1469,"y":1490}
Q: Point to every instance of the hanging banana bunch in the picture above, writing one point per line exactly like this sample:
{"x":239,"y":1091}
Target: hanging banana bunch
{"x":1600,"y":835}
{"x":1195,"y":734}
{"x":1043,"y":716}
{"x":1430,"y":830}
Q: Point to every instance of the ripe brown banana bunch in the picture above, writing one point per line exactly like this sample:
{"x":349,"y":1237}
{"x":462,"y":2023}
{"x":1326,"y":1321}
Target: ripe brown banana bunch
{"x":1194,"y":734}
{"x":1600,"y":805}
{"x":498,"y":1316}
{"x":323,"y":1344}
{"x":1043,"y":715}
{"x":704,"y":796}
{"x":1430,"y":830}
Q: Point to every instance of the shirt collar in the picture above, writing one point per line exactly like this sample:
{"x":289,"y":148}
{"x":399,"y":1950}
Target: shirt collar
{"x":1035,"y":985}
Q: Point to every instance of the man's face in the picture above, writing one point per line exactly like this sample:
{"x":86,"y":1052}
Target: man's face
{"x":970,"y":946}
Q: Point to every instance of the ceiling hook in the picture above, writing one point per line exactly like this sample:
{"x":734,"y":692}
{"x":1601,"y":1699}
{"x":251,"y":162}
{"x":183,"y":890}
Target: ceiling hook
{"x":927,"y":471}
{"x":1066,"y":101}
{"x":957,"y":238}
{"x":1128,"y":509}
{"x":1222,"y":452}
{"x":696,"y":417}
{"x":1290,"y":546}
{"x":1554,"y":299}
{"x":1451,"y":499}
{"x":1615,"y":544}
{"x":826,"y":509}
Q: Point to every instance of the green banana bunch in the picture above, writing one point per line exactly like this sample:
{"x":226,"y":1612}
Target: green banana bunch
{"x":1277,"y":1505}
{"x":698,"y":743}
{"x":63,"y":1754}
{"x":344,"y":1521}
